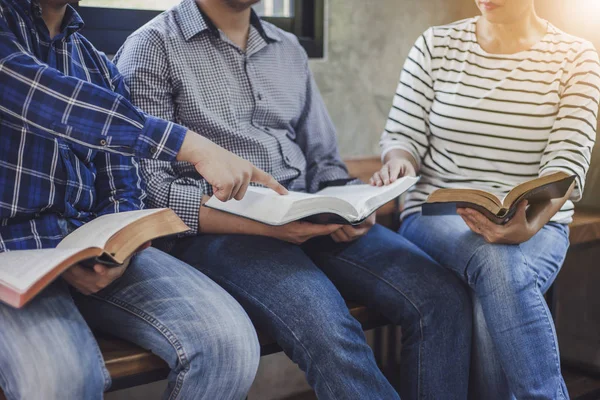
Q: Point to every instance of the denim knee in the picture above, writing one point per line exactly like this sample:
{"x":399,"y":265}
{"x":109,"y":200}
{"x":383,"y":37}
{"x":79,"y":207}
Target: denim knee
{"x":498,"y":267}
{"x":225,"y":354}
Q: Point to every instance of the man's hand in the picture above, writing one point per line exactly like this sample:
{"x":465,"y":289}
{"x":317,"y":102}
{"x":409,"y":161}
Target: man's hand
{"x":349,"y":233}
{"x":88,"y":281}
{"x":228,"y":174}
{"x":398,"y":163}
{"x":300,"y":232}
{"x":515,"y":231}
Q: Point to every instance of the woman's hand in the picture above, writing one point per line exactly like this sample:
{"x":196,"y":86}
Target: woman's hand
{"x":522,"y":227}
{"x":349,"y":233}
{"x":515,"y":231}
{"x":398,"y":163}
{"x":88,"y":281}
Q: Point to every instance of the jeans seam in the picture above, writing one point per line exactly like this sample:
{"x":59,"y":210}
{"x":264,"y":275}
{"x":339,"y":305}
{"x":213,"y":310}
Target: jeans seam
{"x":367,"y":270}
{"x":541,"y":301}
{"x":105,"y":373}
{"x":167,"y":334}
{"x":287,"y":327}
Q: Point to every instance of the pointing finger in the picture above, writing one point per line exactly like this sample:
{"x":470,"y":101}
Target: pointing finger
{"x":260,"y":176}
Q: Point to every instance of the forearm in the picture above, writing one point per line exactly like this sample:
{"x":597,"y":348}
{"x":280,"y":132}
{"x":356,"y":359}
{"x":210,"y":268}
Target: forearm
{"x":218,"y":222}
{"x":118,"y":184}
{"x":78,"y":111}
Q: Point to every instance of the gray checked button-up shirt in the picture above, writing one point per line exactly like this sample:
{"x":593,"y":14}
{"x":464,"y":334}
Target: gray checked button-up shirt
{"x":261,"y":103}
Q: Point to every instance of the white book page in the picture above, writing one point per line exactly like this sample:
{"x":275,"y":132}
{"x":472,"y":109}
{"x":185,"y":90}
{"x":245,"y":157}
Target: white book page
{"x":260,"y":204}
{"x":366,"y":197}
{"x":22,"y":269}
{"x":99,"y":231}
{"x":353,"y":202}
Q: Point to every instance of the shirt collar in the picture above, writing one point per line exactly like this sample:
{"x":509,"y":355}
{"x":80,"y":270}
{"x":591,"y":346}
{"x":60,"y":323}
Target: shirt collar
{"x":72,"y":21}
{"x":194,"y":21}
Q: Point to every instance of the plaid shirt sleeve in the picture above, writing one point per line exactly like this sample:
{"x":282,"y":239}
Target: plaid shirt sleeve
{"x":50,"y":103}
{"x":144,"y":64}
{"x":119,"y":186}
{"x":316,"y":137}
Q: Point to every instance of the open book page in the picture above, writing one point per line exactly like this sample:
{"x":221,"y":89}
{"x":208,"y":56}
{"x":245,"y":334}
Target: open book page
{"x":260,"y":204}
{"x":22,"y":269}
{"x":352,"y":203}
{"x":367,"y":198}
{"x":99,"y":231}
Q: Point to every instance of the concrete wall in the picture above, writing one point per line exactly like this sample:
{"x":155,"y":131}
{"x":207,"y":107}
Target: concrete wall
{"x":368,"y":42}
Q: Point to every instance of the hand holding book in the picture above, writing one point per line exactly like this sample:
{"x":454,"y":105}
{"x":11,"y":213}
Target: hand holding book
{"x":108,"y":242}
{"x":91,"y":280}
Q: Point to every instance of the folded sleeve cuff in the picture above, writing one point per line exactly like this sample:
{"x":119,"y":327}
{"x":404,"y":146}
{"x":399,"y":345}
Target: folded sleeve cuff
{"x":160,"y":139}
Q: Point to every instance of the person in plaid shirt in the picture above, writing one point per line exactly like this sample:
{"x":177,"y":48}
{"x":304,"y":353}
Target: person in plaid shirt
{"x":67,"y":136}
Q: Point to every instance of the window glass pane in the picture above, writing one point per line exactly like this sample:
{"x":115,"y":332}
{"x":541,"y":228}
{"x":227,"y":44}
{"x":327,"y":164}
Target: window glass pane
{"x":275,"y":8}
{"x":266,"y":8}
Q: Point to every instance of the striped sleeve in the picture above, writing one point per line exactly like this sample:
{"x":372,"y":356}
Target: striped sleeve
{"x":407,"y":124}
{"x":573,"y":135}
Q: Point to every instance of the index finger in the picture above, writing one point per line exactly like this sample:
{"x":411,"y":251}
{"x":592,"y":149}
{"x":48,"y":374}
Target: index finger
{"x":260,"y":176}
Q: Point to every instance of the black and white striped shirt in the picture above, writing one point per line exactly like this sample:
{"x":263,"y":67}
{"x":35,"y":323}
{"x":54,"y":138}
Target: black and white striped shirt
{"x":489,"y":121}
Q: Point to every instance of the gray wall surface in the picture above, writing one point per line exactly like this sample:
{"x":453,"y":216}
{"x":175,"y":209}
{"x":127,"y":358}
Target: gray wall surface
{"x":368,"y":42}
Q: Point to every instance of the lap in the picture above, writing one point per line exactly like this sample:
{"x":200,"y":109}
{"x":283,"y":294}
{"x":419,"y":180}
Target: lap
{"x":382,"y":270}
{"x":450,"y":242}
{"x":165,"y":305}
{"x":384,"y":262}
{"x":266,"y":275}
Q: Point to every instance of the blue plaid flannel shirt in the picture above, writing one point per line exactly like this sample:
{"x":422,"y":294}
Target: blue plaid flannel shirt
{"x":67,"y":131}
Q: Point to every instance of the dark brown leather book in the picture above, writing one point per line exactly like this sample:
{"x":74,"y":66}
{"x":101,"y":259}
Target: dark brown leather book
{"x":499,"y":211}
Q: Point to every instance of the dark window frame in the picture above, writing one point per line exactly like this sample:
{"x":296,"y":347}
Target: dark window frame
{"x":107,"y":28}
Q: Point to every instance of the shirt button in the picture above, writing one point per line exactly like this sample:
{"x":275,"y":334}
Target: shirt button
{"x":103,"y":142}
{"x":153,"y":150}
{"x":287,"y":159}
{"x":259,"y":96}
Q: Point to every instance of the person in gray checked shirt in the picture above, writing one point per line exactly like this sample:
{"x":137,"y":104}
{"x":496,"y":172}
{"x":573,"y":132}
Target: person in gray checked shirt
{"x":216,"y":68}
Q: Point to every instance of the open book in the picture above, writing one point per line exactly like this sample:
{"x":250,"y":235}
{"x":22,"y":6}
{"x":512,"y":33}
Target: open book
{"x":350,"y":204}
{"x":499,"y":211}
{"x":109,"y":239}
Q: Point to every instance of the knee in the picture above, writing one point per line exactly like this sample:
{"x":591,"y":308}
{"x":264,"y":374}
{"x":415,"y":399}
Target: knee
{"x":448,"y":304}
{"x":228,"y":348}
{"x":498,"y":268}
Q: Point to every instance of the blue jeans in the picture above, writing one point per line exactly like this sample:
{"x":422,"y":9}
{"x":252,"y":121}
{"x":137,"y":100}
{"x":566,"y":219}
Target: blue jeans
{"x":515,"y":349}
{"x":293,"y":293}
{"x":47,"y":350}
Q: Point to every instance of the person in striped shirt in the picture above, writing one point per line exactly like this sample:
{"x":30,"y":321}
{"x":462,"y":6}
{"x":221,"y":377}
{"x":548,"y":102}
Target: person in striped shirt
{"x":487,"y":103}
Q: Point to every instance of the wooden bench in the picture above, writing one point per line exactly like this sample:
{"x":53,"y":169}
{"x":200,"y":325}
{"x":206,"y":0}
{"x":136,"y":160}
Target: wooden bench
{"x":130,"y":365}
